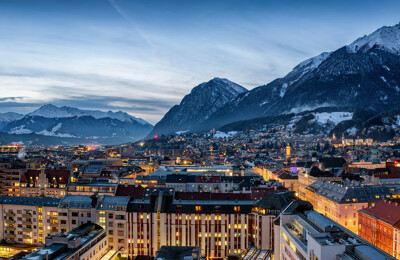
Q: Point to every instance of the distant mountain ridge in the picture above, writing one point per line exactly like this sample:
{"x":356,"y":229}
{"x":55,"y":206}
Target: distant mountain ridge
{"x":70,"y":122}
{"x":51,"y":111}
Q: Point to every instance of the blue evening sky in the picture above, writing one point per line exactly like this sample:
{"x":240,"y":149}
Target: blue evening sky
{"x":143,"y":56}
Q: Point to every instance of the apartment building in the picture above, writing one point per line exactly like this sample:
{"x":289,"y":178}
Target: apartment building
{"x":219,"y":227}
{"x":11,"y":171}
{"x":325,"y":169}
{"x":379,"y":224}
{"x":28,"y":220}
{"x":303,"y":233}
{"x":341,"y":201}
{"x":88,"y":241}
{"x":107,"y":211}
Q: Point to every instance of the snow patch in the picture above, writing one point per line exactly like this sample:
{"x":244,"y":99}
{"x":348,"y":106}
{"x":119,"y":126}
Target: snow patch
{"x":352,"y":130}
{"x":53,"y":132}
{"x":181,"y":132}
{"x":20,"y":130}
{"x":333,"y":117}
{"x":283,"y":89}
{"x":220,"y":134}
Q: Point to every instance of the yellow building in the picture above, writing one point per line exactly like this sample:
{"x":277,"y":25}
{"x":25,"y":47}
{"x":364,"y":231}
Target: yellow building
{"x":341,"y":201}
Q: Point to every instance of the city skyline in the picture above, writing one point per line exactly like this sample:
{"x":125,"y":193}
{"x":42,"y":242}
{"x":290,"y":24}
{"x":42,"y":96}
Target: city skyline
{"x":114,"y":55}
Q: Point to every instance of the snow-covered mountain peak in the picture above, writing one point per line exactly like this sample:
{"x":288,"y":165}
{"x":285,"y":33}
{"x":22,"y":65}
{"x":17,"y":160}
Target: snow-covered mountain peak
{"x":385,"y":38}
{"x":50,"y":111}
{"x":305,"y":67}
{"x":313,"y":62}
{"x":10,"y":116}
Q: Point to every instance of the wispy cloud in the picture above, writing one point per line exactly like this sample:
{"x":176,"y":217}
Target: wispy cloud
{"x":142,"y":57}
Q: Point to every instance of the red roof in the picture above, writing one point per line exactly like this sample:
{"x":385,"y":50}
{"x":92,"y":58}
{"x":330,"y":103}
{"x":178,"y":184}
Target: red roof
{"x":261,"y":192}
{"x":208,"y":179}
{"x":387,"y":176}
{"x":386,"y":210}
{"x":130,"y":190}
{"x":60,"y":175}
{"x":211,"y":196}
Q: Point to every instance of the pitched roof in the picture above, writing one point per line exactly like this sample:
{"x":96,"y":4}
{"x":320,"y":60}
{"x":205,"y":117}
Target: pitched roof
{"x":211,"y":196}
{"x":60,"y":175}
{"x":130,"y":190}
{"x":332,"y":162}
{"x":386,"y":210}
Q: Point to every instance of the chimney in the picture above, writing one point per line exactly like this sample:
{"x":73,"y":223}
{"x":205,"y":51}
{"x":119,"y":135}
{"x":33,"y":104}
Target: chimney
{"x":94,"y":198}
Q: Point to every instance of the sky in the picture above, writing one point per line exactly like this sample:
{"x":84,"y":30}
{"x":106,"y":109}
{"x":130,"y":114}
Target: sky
{"x":142,"y":57}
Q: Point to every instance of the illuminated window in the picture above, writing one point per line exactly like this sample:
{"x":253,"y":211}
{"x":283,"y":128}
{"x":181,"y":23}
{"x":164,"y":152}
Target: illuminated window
{"x":198,"y":208}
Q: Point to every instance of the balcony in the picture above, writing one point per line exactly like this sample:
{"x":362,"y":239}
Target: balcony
{"x":26,"y":229}
{"x":8,"y":228}
{"x":10,"y":214}
{"x":26,"y":222}
{"x":53,"y":224}
{"x":26,"y":215}
{"x":10,"y":236}
{"x":26,"y":237}
{"x":10,"y":222}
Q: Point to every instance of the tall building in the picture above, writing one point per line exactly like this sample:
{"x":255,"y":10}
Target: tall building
{"x":11,"y":171}
{"x":379,"y":224}
{"x":328,"y":169}
{"x":341,"y":201}
{"x":302,"y":233}
{"x":88,"y":241}
{"x":27,"y":220}
{"x":288,"y":151}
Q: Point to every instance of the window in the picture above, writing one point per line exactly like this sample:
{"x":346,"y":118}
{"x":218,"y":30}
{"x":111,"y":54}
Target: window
{"x":198,"y":208}
{"x":74,"y":214}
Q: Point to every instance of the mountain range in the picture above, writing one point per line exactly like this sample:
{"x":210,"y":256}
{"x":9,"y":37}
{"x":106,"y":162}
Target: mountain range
{"x":347,"y":90}
{"x":202,"y":102}
{"x":364,"y":75}
{"x":74,"y":124}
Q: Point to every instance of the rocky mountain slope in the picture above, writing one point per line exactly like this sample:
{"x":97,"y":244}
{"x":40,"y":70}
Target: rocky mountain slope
{"x":202,"y":102}
{"x":363,"y":75}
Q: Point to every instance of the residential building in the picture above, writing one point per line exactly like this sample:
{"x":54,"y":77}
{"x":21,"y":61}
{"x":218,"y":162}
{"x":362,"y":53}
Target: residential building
{"x":341,"y":201}
{"x":28,"y":220}
{"x":88,"y":241}
{"x":45,"y":182}
{"x":379,"y":225}
{"x":302,"y":233}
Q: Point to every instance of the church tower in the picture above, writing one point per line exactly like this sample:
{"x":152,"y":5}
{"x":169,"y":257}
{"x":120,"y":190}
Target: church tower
{"x":288,"y":150}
